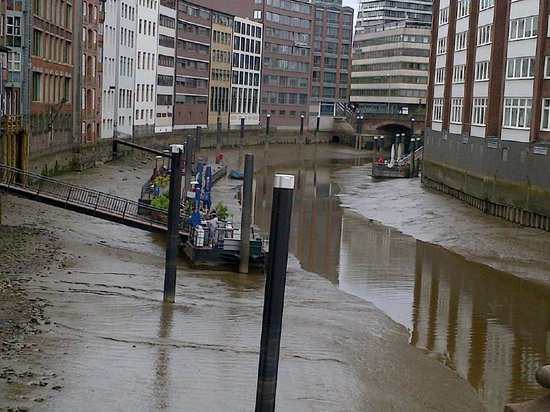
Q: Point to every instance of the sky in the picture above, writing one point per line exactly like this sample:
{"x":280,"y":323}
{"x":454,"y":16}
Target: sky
{"x":352,"y":3}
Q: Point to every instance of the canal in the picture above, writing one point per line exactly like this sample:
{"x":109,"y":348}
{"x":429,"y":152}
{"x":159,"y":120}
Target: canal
{"x":490,"y":327}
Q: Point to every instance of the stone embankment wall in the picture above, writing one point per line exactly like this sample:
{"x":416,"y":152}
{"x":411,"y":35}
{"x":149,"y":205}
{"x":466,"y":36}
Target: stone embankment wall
{"x":502,"y":178}
{"x":81,"y":157}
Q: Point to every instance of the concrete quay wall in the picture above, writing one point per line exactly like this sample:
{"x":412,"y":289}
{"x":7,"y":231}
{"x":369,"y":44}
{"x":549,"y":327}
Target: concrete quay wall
{"x":54,"y":161}
{"x":502,"y":178}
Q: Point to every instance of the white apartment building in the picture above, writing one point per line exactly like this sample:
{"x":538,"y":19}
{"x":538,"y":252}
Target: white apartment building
{"x":119,"y":67}
{"x":166,"y":66}
{"x":146,"y":67}
{"x":245,"y":85}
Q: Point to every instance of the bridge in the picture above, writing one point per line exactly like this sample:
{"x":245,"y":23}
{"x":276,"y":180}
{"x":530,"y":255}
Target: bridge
{"x":83,"y":200}
{"x":382,"y":123}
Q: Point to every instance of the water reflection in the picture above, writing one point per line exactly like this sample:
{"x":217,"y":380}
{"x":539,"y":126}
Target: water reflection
{"x":162,"y":363}
{"x":490,"y":327}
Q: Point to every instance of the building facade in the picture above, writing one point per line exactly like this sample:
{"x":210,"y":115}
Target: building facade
{"x":192,"y":65}
{"x":91,"y":73}
{"x":377,"y":12}
{"x":119,"y":68}
{"x":246,"y":72}
{"x":488,"y":75}
{"x":390,"y":69}
{"x":166,"y":66}
{"x":332,"y":50}
{"x":287,"y":60}
{"x":145,"y":90}
{"x":488,"y":118}
{"x":220,"y":70}
{"x":13,"y":40}
{"x":53,"y":108}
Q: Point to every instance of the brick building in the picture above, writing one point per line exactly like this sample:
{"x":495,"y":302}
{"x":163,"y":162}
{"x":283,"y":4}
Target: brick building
{"x":52,"y":57}
{"x":91,"y":73}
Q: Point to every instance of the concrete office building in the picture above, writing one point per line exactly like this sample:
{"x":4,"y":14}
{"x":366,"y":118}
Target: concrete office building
{"x":192,"y":65}
{"x":390,"y":69}
{"x":119,"y":67}
{"x":332,"y":50}
{"x":146,"y":67}
{"x":166,"y":66}
{"x":245,"y":82}
{"x":377,"y":12}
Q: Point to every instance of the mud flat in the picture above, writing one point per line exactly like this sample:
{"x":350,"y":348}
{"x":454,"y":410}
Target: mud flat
{"x":113,"y":345}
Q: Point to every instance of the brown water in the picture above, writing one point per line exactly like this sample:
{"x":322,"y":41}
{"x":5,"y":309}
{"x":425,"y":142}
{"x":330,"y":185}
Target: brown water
{"x":113,"y":345}
{"x":490,"y":327}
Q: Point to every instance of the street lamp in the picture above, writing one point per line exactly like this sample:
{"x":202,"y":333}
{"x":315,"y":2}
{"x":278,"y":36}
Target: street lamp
{"x":267,"y":124}
{"x":302,"y":125}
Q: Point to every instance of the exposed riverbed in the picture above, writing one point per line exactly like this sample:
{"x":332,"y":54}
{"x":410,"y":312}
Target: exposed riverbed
{"x":112,"y":344}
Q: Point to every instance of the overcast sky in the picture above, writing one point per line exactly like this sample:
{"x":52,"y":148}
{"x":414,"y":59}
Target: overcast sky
{"x":352,"y":3}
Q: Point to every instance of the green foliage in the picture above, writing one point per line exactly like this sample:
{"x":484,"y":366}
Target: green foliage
{"x":163,"y":181}
{"x":222,"y":211}
{"x":162,"y":202}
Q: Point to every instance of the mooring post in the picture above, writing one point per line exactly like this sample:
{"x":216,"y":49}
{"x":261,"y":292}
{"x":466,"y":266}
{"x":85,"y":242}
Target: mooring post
{"x":374,"y":149}
{"x":317,"y":126}
{"x":283,"y":190}
{"x":188,"y":177}
{"x":242,"y":131}
{"x":173,"y":224}
{"x":413,"y":146}
{"x":246,"y":219}
{"x":198,"y":139}
{"x":218,"y":135}
{"x":115,"y":148}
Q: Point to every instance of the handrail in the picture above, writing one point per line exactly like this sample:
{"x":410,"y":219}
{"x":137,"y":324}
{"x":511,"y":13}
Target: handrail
{"x":67,"y":193}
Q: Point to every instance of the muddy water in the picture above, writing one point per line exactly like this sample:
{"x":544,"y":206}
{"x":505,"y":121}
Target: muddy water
{"x":490,"y":327}
{"x":113,"y":345}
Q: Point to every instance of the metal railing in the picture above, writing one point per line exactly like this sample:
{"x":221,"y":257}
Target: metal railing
{"x":16,"y":180}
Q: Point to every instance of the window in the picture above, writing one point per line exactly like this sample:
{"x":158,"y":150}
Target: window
{"x":545,"y":122}
{"x":257,"y":14}
{"x":517,"y":112}
{"x":442,"y":46}
{"x":14,"y":62}
{"x":36,"y":87}
{"x":459,"y":73}
{"x":440,"y":75}
{"x":456,"y":110}
{"x":484,"y":34}
{"x":438,"y":110}
{"x":482,"y":71}
{"x":479,"y":114}
{"x":521,"y":68}
{"x":524,"y":28}
{"x":485,"y":4}
{"x":547,"y":67}
{"x":461,"y":41}
{"x":463,"y":8}
{"x":444,"y":16}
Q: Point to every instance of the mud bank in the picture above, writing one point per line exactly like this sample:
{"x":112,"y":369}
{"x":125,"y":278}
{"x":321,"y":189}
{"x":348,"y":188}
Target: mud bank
{"x":112,"y":344}
{"x":440,"y":219}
